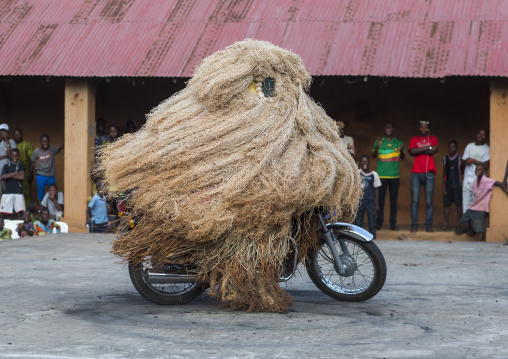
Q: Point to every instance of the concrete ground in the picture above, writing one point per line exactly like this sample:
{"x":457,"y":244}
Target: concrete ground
{"x":66,"y":297}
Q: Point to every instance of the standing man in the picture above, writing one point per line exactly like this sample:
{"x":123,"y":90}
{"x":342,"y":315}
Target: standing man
{"x":389,"y":151}
{"x":26,"y":151}
{"x":423,"y":148}
{"x":476,"y":153}
{"x":6,"y":145}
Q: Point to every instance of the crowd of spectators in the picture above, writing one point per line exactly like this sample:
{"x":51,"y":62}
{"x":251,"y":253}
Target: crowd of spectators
{"x":21,"y":164}
{"x":465,"y":183}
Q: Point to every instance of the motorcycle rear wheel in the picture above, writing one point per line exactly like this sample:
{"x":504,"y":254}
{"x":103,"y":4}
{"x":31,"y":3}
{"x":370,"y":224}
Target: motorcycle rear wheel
{"x":366,"y":281}
{"x":163,"y":294}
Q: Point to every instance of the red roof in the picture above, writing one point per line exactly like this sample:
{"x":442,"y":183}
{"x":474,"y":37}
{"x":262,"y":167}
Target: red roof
{"x":167,"y":38}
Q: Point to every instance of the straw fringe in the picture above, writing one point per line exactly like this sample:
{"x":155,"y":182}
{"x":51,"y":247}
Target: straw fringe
{"x":219,"y":173}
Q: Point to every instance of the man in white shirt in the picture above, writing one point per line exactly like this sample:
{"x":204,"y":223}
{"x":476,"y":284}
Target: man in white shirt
{"x":477,"y":152}
{"x":347,"y":141}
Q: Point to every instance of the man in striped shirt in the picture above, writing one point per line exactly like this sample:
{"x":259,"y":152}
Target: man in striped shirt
{"x":389,"y":151}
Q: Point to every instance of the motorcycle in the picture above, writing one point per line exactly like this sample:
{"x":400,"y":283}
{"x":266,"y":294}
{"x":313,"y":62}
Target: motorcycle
{"x":347,"y":266}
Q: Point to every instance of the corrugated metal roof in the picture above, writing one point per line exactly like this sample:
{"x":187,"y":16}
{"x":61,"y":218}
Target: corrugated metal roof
{"x":167,"y":38}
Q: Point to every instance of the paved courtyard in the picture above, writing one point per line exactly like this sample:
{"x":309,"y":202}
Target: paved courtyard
{"x":67,"y":297}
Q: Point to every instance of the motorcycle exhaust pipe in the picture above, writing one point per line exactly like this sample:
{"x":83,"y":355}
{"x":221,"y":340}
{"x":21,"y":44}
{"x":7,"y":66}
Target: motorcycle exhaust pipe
{"x":163,"y":278}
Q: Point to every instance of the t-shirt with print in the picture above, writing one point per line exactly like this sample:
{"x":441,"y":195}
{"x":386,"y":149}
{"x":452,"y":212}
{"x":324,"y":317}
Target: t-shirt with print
{"x":45,"y":160}
{"x":13,"y":186}
{"x":388,"y":158}
{"x":480,"y":153}
{"x":369,"y":183}
{"x":423,"y":163}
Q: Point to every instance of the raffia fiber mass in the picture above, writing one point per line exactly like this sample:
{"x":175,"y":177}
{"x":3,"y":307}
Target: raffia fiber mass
{"x":219,"y":173}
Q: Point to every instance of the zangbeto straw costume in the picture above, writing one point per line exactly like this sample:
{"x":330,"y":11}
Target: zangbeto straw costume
{"x":219,"y":173}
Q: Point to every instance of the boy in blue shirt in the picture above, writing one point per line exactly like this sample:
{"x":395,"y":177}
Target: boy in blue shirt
{"x":96,"y":212}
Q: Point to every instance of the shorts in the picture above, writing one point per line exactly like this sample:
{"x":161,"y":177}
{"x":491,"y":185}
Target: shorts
{"x":453,"y":195}
{"x":477,"y":219}
{"x":12,"y":202}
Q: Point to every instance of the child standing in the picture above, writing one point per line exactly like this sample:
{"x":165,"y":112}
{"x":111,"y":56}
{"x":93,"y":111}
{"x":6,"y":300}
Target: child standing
{"x":369,"y":203}
{"x":452,"y":183}
{"x":45,"y":168}
{"x":96,"y":212}
{"x":477,"y":212}
{"x":12,"y":199}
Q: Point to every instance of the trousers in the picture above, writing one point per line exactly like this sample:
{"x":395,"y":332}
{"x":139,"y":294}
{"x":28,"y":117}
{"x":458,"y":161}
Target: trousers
{"x":391,"y":185}
{"x":370,"y":208}
{"x":427,"y":181}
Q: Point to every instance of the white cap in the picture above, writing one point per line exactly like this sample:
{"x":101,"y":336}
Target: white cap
{"x":4,"y":126}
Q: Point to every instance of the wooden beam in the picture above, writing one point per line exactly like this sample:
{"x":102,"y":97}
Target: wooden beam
{"x":498,"y":230}
{"x":79,"y":142}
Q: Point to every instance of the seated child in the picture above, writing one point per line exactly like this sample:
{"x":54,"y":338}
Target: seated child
{"x":13,"y":174}
{"x":54,"y":202}
{"x":476,"y":214}
{"x":369,"y":203}
{"x":5,"y":233}
{"x":34,"y":209}
{"x":45,"y":225}
{"x":97,"y":213}
{"x":27,"y":227}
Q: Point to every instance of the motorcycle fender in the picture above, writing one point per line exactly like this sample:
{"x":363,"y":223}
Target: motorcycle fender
{"x":351,"y":230}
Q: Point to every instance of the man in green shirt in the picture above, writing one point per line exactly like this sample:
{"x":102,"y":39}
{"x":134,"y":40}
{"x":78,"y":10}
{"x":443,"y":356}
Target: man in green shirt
{"x":389,"y":151}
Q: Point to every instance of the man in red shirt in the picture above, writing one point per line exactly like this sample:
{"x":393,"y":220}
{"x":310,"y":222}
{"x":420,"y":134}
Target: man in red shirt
{"x":423,"y":148}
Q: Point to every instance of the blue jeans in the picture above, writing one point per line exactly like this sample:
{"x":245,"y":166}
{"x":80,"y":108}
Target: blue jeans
{"x":427,"y":180}
{"x":42,"y":182}
{"x":370,"y":208}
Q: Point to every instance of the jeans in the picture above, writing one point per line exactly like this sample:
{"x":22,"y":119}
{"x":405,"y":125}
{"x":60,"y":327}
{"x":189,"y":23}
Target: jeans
{"x":42,"y":182}
{"x":391,"y":184}
{"x":370,"y":207}
{"x":427,"y":180}
{"x":98,"y":228}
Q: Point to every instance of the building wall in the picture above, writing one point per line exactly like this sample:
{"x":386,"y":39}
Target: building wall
{"x":456,"y":108}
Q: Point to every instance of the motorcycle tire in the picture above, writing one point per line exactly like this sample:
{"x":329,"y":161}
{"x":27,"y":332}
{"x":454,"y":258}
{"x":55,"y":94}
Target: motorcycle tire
{"x":163,"y":294}
{"x":364,"y":283}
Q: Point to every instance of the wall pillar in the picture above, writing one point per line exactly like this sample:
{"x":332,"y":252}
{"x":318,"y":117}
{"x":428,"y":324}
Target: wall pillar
{"x":498,"y":156}
{"x":79,"y":142}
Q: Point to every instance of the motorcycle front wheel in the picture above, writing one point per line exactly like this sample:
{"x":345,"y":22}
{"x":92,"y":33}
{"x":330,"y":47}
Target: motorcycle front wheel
{"x":164,"y":294}
{"x":365,"y":282}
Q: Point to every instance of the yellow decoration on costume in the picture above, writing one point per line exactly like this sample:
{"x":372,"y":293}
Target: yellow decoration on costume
{"x":252,"y":87}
